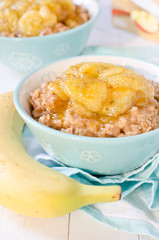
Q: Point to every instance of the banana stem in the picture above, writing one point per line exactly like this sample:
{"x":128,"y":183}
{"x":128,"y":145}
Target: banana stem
{"x":96,"y":194}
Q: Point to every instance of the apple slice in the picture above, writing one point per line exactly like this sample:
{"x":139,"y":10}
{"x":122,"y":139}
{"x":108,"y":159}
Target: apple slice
{"x":119,"y":12}
{"x":145,"y":21}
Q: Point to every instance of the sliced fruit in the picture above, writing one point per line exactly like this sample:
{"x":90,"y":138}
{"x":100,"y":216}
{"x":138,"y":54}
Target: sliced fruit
{"x":8,"y":20}
{"x":120,"y":102}
{"x":114,"y":70}
{"x":119,"y":12}
{"x":81,"y":110}
{"x":34,"y":21}
{"x":89,"y":92}
{"x":145,"y":21}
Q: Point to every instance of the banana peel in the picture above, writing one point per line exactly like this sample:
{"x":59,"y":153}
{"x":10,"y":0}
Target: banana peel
{"x":32,"y":189}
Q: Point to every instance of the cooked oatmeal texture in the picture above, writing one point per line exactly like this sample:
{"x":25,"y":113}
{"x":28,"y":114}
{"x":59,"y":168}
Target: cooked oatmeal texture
{"x":53,"y":108}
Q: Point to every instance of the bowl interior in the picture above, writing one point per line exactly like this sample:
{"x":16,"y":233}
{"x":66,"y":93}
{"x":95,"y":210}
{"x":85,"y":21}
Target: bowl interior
{"x":49,"y":73}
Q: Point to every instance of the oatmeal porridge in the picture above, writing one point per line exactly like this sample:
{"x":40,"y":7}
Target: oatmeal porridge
{"x":39,"y":17}
{"x":98,"y":100}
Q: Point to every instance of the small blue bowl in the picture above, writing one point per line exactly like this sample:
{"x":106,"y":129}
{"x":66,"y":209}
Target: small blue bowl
{"x":28,"y":53}
{"x":96,"y":155}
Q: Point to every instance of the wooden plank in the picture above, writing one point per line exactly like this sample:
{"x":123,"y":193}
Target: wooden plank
{"x":143,"y":237}
{"x":17,"y":227}
{"x":83,"y":226}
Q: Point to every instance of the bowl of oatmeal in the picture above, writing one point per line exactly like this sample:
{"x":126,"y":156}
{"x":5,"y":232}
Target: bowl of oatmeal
{"x":33,"y":33}
{"x":97,"y":113}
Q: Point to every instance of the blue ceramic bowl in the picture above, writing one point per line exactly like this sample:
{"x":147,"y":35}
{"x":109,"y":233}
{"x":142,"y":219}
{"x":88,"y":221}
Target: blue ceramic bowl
{"x":96,"y":155}
{"x":29,"y":53}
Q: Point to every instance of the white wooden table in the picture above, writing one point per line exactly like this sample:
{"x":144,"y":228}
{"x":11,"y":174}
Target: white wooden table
{"x":77,"y":225}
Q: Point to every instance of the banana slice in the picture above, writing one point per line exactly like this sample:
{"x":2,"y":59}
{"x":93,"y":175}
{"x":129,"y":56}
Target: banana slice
{"x":91,"y":93}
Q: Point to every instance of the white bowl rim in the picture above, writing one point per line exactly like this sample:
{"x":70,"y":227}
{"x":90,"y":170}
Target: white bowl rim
{"x":60,"y":34}
{"x":33,"y":122}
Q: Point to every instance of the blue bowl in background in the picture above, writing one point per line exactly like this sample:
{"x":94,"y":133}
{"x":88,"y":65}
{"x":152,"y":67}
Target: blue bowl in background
{"x":108,"y":156}
{"x":28,"y":53}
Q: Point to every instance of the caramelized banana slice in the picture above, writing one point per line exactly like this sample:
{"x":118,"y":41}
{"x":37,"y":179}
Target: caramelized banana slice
{"x":140,"y":83}
{"x":88,"y":92}
{"x":93,"y":69}
{"x":121,"y":101}
{"x":20,"y":7}
{"x":111,"y":71}
{"x":8,"y":20}
{"x":87,"y":69}
{"x":132,"y":80}
{"x":5,"y":4}
{"x":66,"y":5}
{"x":34,"y":21}
{"x":81,"y":110}
{"x":55,"y":88}
{"x":53,"y":6}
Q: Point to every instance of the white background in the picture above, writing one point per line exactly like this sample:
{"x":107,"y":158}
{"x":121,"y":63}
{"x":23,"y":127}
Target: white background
{"x":77,"y":225}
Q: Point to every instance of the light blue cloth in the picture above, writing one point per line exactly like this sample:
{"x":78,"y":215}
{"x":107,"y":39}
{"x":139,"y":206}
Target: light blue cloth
{"x":150,"y":54}
{"x":138,"y":211}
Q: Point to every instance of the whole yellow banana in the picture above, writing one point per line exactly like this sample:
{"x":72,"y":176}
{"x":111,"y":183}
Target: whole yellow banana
{"x":32,"y":189}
